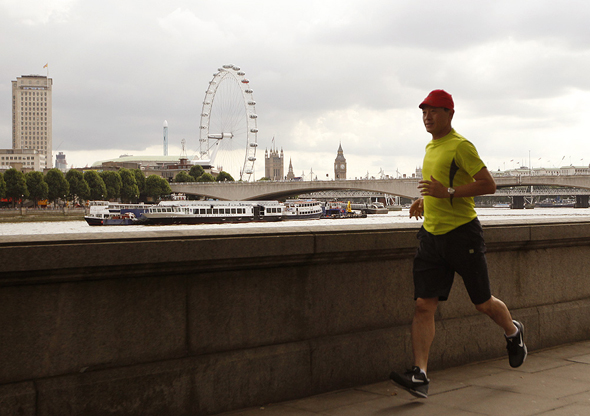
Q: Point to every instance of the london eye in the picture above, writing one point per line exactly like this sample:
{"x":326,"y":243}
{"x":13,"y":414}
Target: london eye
{"x":228,"y":124}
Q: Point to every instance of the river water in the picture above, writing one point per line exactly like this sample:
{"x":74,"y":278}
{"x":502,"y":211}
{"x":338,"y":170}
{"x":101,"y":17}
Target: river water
{"x":393,"y":217}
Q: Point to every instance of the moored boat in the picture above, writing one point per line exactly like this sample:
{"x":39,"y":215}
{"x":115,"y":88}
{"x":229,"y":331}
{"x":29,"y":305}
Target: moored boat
{"x":297,"y":209}
{"x":108,"y":213}
{"x":376,"y":208}
{"x":127,"y":218}
{"x":213,"y":212}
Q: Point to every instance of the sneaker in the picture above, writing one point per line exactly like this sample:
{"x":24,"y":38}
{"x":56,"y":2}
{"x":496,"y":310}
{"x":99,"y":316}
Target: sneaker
{"x":413,"y":380}
{"x":515,"y":345}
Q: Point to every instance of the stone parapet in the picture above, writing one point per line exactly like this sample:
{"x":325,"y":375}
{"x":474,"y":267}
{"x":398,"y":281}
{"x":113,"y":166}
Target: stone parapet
{"x":195,"y":323}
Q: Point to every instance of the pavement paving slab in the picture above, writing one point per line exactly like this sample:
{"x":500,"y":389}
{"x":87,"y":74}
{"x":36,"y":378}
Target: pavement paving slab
{"x":551,"y":382}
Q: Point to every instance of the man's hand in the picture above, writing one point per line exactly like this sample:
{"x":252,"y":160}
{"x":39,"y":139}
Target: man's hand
{"x":417,"y":209}
{"x":433,"y":188}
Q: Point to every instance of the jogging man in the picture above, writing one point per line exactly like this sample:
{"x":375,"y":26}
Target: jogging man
{"x":451,"y":239}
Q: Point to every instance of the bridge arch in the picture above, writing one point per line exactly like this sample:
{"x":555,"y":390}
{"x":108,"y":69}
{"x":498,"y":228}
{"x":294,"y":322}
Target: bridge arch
{"x":280,"y":189}
{"x":406,"y":187}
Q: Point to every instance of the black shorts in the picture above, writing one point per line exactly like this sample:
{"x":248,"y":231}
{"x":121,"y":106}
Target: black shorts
{"x":440,"y":256}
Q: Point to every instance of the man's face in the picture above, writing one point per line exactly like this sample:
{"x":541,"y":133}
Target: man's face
{"x":437,"y":120}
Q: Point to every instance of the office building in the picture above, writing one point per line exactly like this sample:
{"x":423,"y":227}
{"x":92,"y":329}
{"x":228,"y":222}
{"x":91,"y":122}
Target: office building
{"x":24,"y":160}
{"x":32,"y":115}
{"x":61,"y":162}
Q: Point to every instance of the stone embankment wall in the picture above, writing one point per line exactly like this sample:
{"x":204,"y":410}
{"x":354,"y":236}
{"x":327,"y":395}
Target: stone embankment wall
{"x":191,"y":323}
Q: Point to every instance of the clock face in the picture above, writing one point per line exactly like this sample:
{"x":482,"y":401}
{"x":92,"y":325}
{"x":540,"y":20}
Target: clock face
{"x":342,"y":166}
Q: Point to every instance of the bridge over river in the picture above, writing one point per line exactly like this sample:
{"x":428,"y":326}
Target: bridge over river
{"x":578,"y":185}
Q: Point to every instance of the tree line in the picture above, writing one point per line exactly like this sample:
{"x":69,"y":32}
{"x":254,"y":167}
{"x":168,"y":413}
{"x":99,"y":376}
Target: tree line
{"x":128,"y":185}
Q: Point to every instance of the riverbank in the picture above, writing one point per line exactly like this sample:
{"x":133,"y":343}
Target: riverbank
{"x":39,"y":214}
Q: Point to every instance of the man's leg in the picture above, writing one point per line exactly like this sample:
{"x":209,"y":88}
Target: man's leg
{"x":498,"y":311}
{"x":414,"y":380}
{"x":423,"y":330}
{"x":513,"y":330}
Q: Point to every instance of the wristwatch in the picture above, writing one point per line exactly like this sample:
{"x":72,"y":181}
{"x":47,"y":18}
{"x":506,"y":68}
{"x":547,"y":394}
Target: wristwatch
{"x":451,"y":191}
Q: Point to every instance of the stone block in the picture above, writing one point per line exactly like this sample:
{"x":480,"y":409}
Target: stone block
{"x":243,"y":309}
{"x":158,"y":249}
{"x":571,"y":231}
{"x":255,"y":377}
{"x":160,"y":389}
{"x":18,"y":399}
{"x":357,"y":241}
{"x":353,"y":297}
{"x":56,"y":329}
{"x":358,"y":358}
{"x":504,"y":237}
{"x":465,"y":340}
{"x":564,"y":322}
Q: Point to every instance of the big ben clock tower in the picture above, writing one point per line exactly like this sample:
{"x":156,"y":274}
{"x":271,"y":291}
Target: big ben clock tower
{"x":340,"y":165}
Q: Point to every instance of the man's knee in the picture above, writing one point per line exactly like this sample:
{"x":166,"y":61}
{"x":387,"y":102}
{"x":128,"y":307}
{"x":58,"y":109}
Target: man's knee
{"x":426,"y":306}
{"x":487,"y":307}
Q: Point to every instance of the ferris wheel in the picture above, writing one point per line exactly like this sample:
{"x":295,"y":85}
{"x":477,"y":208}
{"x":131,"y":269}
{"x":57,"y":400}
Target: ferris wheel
{"x":228,"y":136}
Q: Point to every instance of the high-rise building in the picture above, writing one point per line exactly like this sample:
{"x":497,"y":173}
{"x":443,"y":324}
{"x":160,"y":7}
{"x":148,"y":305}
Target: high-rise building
{"x":32,"y":115}
{"x":340,"y":165}
{"x":60,"y":162}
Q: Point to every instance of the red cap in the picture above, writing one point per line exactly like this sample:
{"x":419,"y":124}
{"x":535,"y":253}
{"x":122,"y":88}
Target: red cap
{"x":439,"y":98}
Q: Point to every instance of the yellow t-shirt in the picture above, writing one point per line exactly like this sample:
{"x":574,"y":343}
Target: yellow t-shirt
{"x":453,"y":161}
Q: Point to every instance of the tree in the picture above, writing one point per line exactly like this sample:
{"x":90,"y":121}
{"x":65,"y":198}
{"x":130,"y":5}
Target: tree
{"x":79,"y":189}
{"x":59,"y":187}
{"x":196,"y":171}
{"x":129,"y":188}
{"x":182,"y":176}
{"x":112,"y":180}
{"x":36,"y":185}
{"x":206,"y":177}
{"x":156,"y":186}
{"x":16,"y":185}
{"x":224,"y":176}
{"x":2,"y":186}
{"x":140,"y":180}
{"x":98,"y":189}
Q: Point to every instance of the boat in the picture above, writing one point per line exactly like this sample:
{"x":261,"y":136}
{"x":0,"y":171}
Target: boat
{"x":370,"y":208}
{"x":108,"y":213}
{"x":376,"y":208}
{"x":335,"y":210}
{"x":556,"y":203}
{"x":212,"y":212}
{"x":298,"y":209}
{"x":127,"y":218}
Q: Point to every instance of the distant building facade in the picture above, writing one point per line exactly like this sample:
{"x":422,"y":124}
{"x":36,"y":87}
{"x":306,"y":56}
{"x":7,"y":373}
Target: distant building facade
{"x":32,"y":115}
{"x":274,"y":164}
{"x":340,"y":165}
{"x":553,"y":171}
{"x":24,"y":160}
{"x":165,"y":166}
{"x":60,"y":162}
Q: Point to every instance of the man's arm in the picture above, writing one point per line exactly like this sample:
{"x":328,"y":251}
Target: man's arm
{"x":484,"y":184}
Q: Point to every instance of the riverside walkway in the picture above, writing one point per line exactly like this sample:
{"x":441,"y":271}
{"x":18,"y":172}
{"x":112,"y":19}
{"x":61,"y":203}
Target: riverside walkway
{"x":551,"y":382}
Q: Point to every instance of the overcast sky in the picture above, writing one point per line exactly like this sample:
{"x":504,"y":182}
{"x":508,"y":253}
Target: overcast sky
{"x":324,"y":73}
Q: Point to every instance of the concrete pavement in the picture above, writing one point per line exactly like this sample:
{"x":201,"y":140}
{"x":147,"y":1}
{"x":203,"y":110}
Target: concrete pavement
{"x":551,"y":382}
